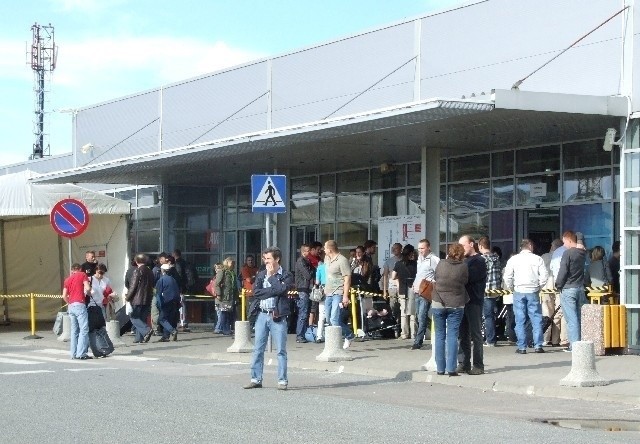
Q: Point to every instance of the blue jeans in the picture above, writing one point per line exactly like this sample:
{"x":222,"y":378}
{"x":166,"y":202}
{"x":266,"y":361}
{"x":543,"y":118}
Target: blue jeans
{"x":572,"y":300}
{"x":447,"y":327}
{"x":264,"y":325}
{"x":79,"y":330}
{"x":422,"y":312}
{"x":528,"y":304}
{"x":333,"y":313}
{"x":139,"y":320}
{"x":303,"y":314}
{"x":490,"y":320}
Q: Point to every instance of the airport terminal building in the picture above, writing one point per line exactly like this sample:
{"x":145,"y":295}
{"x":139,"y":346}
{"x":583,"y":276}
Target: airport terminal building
{"x":486,"y":119}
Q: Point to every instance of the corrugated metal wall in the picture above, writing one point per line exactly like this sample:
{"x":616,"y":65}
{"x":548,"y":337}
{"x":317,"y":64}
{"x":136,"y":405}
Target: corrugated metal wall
{"x":469,"y":50}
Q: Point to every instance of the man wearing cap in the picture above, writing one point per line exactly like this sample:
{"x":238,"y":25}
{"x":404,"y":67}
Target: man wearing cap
{"x":167,"y":300}
{"x":76,"y":286}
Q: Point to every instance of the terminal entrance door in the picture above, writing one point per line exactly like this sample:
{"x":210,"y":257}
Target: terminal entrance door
{"x":250,"y":243}
{"x":541,"y":225}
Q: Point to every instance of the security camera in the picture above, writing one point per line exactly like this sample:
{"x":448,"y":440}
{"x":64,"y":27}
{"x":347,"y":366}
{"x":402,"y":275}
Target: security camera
{"x":609,"y":139}
{"x":86,"y":148}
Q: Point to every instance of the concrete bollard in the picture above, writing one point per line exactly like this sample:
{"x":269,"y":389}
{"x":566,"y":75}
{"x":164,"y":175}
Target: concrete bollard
{"x":242,"y":342}
{"x":333,"y":351}
{"x":65,"y":336}
{"x":113,"y":330}
{"x":583,"y":367}
{"x":430,"y":366}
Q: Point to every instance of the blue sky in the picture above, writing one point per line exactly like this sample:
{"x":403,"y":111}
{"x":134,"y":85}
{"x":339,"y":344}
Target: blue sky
{"x":112,"y":48}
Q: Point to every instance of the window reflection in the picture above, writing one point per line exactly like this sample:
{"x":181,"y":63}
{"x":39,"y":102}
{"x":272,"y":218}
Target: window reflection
{"x":538,"y":189}
{"x":469,"y":168}
{"x":538,"y":159}
{"x":503,"y":191}
{"x":469,"y":196}
{"x":353,"y":207}
{"x":473,"y":224}
{"x":588,"y":186}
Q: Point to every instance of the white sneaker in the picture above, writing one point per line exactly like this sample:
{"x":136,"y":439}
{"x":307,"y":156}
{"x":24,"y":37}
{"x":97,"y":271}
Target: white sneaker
{"x":347,"y":343}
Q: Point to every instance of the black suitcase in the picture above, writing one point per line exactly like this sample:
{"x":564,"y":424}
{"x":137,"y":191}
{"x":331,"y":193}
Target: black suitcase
{"x":103,"y":344}
{"x":125,"y":322}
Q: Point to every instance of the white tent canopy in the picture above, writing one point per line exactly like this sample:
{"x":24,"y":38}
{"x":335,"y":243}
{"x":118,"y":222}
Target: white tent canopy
{"x":35,"y":259}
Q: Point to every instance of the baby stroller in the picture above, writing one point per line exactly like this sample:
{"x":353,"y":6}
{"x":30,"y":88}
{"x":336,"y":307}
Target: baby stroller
{"x":376,"y":318}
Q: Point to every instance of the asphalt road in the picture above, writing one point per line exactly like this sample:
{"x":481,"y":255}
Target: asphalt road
{"x":47,"y":398}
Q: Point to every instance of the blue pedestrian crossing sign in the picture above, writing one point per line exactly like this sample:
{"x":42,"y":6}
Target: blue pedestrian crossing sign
{"x":269,"y":193}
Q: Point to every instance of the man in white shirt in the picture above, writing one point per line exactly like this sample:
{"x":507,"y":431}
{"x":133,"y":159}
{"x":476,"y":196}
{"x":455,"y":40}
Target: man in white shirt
{"x":525,"y":274}
{"x":427,"y":263}
{"x":390,"y":286}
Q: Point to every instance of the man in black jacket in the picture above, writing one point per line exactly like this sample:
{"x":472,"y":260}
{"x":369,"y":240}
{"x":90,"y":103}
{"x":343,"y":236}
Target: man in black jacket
{"x":305,"y":276}
{"x":139,"y":295}
{"x":271,"y":303}
{"x":471,"y":327}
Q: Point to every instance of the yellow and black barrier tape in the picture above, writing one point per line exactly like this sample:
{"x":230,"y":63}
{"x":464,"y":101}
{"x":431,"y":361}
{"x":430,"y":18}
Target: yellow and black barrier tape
{"x":364,"y":293}
{"x":35,"y":295}
{"x":501,"y":292}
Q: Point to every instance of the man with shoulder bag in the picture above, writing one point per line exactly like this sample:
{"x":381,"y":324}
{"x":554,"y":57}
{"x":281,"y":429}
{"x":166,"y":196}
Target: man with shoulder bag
{"x":272,"y":307}
{"x":426,"y":268}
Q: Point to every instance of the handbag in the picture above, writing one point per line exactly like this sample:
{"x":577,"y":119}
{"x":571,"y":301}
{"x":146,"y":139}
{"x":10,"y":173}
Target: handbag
{"x":317,"y":294}
{"x":426,"y":289}
{"x":211,"y":287}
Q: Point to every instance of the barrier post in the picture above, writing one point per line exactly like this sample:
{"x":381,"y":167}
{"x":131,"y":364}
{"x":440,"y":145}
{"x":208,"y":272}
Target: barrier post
{"x":354,"y":316}
{"x":33,"y":334}
{"x":243,"y":298}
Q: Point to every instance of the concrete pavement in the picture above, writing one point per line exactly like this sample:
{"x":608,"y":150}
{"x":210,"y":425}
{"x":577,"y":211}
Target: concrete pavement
{"x":391,"y":359}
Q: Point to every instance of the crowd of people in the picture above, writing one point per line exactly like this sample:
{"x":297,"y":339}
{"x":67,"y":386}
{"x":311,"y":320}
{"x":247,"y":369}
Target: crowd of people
{"x":542,"y":307}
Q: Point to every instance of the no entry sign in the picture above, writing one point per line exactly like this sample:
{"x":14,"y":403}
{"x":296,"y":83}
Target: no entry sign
{"x":69,"y":217}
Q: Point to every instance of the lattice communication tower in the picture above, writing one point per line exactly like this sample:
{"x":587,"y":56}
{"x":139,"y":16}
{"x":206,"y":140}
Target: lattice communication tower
{"x":43,"y":57}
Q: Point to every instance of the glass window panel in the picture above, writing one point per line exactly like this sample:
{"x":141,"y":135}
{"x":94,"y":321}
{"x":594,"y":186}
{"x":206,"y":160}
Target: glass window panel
{"x":502,"y":163}
{"x":616,"y":183}
{"x":632,"y":296}
{"x":469,"y":168}
{"x":328,"y":184}
{"x":304,"y":211}
{"x":394,"y":178}
{"x":632,"y":173}
{"x":503,"y":191}
{"x":127,"y":195}
{"x":188,"y":218}
{"x":244,"y":196}
{"x":538,"y":159}
{"x":148,"y":241}
{"x":327,"y":231}
{"x":248,"y":219}
{"x":538,"y":189}
{"x":148,"y":218}
{"x":595,"y":221}
{"x":230,"y":199}
{"x":413,"y":176}
{"x":230,"y":241}
{"x":177,"y":239}
{"x":351,"y":234}
{"x":472,"y":224}
{"x":197,"y":241}
{"x":632,"y":252}
{"x":353,"y":181}
{"x":179,"y":195}
{"x":502,"y":225}
{"x":353,"y":207}
{"x":469,"y":196}
{"x":146,"y":196}
{"x":214,"y":218}
{"x":230,"y":219}
{"x":304,"y":187}
{"x":632,"y":204}
{"x":588,"y":185}
{"x":413,"y":200}
{"x":388,"y":203}
{"x":584,"y":154}
{"x":443,"y":171}
{"x":443,"y":199}
{"x":328,"y":209}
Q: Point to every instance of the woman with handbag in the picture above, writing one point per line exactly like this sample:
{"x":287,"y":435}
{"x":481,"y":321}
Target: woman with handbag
{"x":227,"y":290}
{"x":448,"y":300}
{"x":404,"y":272}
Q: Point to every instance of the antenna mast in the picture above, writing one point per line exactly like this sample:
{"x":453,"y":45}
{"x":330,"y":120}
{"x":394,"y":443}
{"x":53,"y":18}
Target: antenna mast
{"x":43,"y":61}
